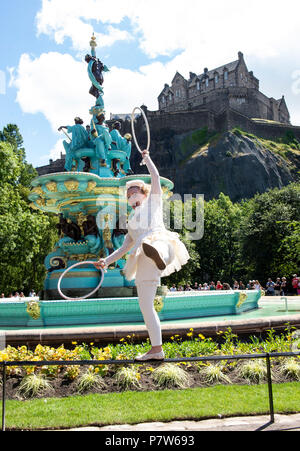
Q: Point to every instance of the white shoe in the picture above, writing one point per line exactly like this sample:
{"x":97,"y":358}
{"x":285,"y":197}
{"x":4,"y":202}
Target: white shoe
{"x":147,"y":356}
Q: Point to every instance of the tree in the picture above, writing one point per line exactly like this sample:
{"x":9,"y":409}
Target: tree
{"x":219,"y":248}
{"x":266,"y":228}
{"x":11,"y":135}
{"x":26,"y":236}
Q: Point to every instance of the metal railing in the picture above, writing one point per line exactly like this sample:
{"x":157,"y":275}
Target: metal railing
{"x":266,"y":356}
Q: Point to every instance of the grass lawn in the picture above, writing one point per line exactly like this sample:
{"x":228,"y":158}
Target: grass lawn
{"x":138,"y":407}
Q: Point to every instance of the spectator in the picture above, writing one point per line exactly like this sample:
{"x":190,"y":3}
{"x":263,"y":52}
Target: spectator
{"x":242,"y":286}
{"x":236,"y":285}
{"x":2,"y":296}
{"x":270,"y":286}
{"x":295,"y":283}
{"x":200,"y":288}
{"x":195,"y":286}
{"x":277,"y":286}
{"x":188,"y":288}
{"x":226,"y":286}
{"x":212,"y":286}
{"x":205,"y":287}
{"x":219,"y":286}
{"x":173,"y":287}
{"x":180,"y":288}
{"x":283,"y":287}
{"x":257,"y":285}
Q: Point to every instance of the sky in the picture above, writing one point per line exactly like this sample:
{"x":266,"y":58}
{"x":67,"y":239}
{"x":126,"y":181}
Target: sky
{"x":43,"y":75}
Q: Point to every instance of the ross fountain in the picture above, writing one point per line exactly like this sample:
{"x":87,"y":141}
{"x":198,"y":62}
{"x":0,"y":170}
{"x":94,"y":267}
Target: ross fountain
{"x":89,"y":197}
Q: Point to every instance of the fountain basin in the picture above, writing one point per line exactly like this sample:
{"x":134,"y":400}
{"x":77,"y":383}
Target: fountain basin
{"x":174,"y":306}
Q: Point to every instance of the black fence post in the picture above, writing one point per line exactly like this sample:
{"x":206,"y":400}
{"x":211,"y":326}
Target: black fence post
{"x":270,"y":388}
{"x":3,"y":395}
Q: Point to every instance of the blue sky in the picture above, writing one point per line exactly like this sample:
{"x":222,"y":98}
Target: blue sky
{"x":43,"y":44}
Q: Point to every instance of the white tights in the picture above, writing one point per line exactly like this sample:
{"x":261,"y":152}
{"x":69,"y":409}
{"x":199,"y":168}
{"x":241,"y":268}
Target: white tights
{"x":147,"y":280}
{"x":146,"y":293}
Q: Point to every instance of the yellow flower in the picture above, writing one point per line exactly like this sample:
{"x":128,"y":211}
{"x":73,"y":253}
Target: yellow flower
{"x":172,"y":338}
{"x":91,"y":344}
{"x":74,"y":342}
{"x":192,"y":329}
{"x":190,"y":334}
{"x":201,"y":336}
{"x":122,"y":339}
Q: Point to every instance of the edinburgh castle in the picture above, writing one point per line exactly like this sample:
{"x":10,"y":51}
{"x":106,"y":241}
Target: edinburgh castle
{"x":217,"y":132}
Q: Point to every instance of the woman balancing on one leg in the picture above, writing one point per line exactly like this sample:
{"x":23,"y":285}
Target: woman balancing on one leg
{"x":155,"y":251}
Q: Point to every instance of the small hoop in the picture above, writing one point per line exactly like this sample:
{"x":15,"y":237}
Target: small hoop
{"x":68,"y":270}
{"x":147,"y":127}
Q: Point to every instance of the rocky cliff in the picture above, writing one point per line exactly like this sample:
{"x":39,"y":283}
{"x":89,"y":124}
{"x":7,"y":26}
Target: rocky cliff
{"x":236,"y":163}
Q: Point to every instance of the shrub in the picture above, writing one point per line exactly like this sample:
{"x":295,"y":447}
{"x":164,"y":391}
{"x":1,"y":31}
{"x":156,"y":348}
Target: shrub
{"x":214,"y":374}
{"x":90,"y":380}
{"x":254,"y":371}
{"x":128,"y":377}
{"x":34,"y":385}
{"x":171,"y":375}
{"x":290,"y":368}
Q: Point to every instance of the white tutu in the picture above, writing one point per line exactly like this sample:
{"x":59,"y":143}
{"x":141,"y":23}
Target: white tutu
{"x":180,"y":253}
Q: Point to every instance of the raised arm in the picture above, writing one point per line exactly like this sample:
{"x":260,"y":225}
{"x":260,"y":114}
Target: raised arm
{"x":155,"y":177}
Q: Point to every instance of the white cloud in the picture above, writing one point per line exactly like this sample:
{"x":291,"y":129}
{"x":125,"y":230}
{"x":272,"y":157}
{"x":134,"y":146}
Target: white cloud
{"x":206,"y":34}
{"x":53,"y":84}
{"x":204,"y":30}
{"x":57,"y":150}
{"x":61,"y":19}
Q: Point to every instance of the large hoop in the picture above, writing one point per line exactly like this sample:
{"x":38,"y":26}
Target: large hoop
{"x":147,"y":127}
{"x":68,"y":270}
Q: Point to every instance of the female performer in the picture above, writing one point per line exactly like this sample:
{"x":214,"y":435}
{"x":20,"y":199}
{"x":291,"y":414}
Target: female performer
{"x":155,"y":251}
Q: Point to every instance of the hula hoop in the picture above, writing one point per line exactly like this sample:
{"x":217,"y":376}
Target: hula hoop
{"x":68,"y":270}
{"x":147,"y":127}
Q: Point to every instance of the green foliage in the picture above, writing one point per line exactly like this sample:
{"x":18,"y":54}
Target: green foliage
{"x":170,"y":375}
{"x":269,"y":226}
{"x":34,"y":385}
{"x":257,"y":238}
{"x":26,"y":236}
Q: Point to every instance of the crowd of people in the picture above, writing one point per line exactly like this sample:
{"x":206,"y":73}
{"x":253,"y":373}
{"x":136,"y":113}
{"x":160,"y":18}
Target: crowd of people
{"x":18,"y":295}
{"x":280,"y":287}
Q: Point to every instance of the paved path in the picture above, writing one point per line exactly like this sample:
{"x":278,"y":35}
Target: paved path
{"x":282,"y":423}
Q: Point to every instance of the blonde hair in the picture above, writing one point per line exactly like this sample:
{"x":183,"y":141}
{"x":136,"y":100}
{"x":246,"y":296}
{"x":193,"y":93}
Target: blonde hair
{"x":145,"y":189}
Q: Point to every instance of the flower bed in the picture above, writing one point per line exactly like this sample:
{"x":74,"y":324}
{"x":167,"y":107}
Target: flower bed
{"x":60,"y":381}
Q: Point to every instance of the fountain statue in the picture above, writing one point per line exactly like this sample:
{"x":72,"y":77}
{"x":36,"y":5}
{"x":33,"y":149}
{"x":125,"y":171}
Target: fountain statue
{"x":89,"y":198}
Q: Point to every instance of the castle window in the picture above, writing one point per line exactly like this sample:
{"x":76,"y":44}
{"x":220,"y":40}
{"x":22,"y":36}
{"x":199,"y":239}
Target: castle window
{"x":198,"y":85}
{"x":216,"y":78}
{"x":207,"y":82}
{"x":226,"y":75}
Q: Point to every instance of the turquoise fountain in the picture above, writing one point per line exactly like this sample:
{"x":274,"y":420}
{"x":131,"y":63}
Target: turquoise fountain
{"x":89,"y":197}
